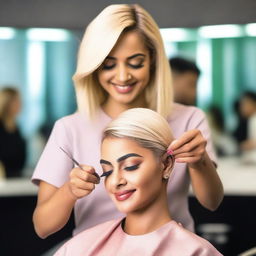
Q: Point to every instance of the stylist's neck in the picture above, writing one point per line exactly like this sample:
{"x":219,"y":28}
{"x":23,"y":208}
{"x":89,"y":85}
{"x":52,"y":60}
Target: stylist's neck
{"x":114,"y":109}
{"x":148,"y":219}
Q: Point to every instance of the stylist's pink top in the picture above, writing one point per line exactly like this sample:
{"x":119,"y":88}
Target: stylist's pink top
{"x":81,"y":138}
{"x":110,"y":239}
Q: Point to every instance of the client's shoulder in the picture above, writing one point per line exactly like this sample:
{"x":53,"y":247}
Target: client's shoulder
{"x":194,"y":243}
{"x":99,"y":229}
{"x":94,"y":233}
{"x":88,"y":239}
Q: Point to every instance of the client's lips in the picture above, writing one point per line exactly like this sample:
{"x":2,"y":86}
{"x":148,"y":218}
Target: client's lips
{"x":123,"y":195}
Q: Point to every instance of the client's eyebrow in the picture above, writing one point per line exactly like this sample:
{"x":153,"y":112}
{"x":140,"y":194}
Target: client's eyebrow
{"x":122,"y":158}
{"x":102,"y":161}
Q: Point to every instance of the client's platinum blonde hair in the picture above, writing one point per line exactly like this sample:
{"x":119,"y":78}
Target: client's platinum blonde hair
{"x":148,"y":128}
{"x":99,"y":39}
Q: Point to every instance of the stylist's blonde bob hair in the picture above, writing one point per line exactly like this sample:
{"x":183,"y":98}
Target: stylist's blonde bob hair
{"x":146,"y":127}
{"x":99,"y":39}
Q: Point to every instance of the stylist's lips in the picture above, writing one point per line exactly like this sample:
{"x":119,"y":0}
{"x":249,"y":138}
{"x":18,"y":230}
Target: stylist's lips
{"x":124,"y":88}
{"x":123,"y":195}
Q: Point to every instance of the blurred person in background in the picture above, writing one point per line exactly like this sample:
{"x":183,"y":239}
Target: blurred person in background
{"x":240,"y":132}
{"x":223,"y":142}
{"x":248,"y":110}
{"x":12,"y":144}
{"x":185,"y":75}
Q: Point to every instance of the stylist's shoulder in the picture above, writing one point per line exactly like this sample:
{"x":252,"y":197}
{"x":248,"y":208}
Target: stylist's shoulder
{"x":186,"y":113}
{"x":66,"y":126}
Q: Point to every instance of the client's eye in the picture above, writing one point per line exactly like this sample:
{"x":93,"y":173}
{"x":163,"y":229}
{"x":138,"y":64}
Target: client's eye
{"x":132,"y":167}
{"x":106,"y":174}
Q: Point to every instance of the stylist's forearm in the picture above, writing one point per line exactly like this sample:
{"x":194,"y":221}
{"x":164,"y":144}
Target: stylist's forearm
{"x":52,"y":214}
{"x":206,"y":183}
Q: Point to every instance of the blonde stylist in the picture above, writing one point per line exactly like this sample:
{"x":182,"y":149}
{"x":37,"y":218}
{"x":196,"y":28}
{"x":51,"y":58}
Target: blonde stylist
{"x":121,"y":65}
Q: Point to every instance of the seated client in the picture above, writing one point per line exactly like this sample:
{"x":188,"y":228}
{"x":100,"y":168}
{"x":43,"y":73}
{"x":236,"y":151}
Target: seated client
{"x":137,"y":167}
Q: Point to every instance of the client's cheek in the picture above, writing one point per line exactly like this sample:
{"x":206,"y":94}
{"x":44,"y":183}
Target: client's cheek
{"x":107,"y":187}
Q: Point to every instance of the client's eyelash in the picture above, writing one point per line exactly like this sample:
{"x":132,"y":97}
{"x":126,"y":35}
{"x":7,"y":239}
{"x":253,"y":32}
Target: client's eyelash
{"x":131,"y":168}
{"x":105,"y":174}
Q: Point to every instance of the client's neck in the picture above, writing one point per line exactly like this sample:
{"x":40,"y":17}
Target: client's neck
{"x":149,"y":218}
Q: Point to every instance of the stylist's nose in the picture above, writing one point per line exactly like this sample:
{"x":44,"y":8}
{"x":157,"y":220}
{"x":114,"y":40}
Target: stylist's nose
{"x":122,"y":74}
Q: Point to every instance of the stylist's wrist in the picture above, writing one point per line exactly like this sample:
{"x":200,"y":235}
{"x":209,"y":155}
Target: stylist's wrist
{"x":69,"y":192}
{"x":201,"y":164}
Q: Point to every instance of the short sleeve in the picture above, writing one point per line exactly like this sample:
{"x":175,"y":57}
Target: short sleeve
{"x":199,"y":121}
{"x":54,"y":166}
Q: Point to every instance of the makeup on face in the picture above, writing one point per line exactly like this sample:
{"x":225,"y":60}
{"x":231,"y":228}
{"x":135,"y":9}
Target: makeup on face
{"x":120,"y":159}
{"x":134,"y":175}
{"x":122,"y":195}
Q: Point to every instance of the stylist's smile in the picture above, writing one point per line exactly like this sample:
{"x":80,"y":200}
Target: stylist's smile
{"x":123,"y":195}
{"x":126,"y":88}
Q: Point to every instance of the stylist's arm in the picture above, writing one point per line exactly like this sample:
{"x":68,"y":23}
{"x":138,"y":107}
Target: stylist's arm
{"x":54,"y":205}
{"x":190,"y":148}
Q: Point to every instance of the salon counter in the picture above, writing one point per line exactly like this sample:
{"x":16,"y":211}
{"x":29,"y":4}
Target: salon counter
{"x":17,"y":187}
{"x":238,"y":178}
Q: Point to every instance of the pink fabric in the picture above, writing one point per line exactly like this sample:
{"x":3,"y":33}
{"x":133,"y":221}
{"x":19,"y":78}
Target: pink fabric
{"x":110,"y":239}
{"x":81,"y":138}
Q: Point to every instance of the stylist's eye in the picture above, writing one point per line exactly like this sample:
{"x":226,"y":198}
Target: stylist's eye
{"x":108,"y":63}
{"x":136,"y":63}
{"x":136,"y":66}
{"x":132,"y":167}
{"x":106,"y":174}
{"x":108,"y":67}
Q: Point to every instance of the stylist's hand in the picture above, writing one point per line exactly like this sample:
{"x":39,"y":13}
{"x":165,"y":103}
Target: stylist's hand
{"x":190,"y":148}
{"x":82,"y":182}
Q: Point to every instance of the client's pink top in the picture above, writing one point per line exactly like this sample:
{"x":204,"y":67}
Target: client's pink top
{"x":110,"y":239}
{"x":82,"y":138}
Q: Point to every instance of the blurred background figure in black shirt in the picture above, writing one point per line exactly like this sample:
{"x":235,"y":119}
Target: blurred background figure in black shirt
{"x":12,"y":144}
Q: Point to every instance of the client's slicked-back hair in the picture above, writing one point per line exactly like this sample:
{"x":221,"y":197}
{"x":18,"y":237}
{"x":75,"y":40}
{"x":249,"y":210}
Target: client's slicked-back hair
{"x":148,"y":128}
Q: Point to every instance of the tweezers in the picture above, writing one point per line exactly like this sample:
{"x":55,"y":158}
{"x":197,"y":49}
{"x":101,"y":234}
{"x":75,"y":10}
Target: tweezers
{"x":75,"y":162}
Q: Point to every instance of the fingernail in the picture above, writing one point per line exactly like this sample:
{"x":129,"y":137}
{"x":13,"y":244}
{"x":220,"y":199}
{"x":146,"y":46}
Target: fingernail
{"x":169,"y":152}
{"x":97,"y":175}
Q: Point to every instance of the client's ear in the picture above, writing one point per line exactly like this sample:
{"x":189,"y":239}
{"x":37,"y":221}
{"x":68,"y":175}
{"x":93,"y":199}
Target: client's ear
{"x":168,"y":163}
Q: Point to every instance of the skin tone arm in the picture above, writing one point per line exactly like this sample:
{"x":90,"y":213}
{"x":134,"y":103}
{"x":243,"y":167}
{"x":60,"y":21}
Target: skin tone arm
{"x":54,"y":205}
{"x":190,"y":148}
